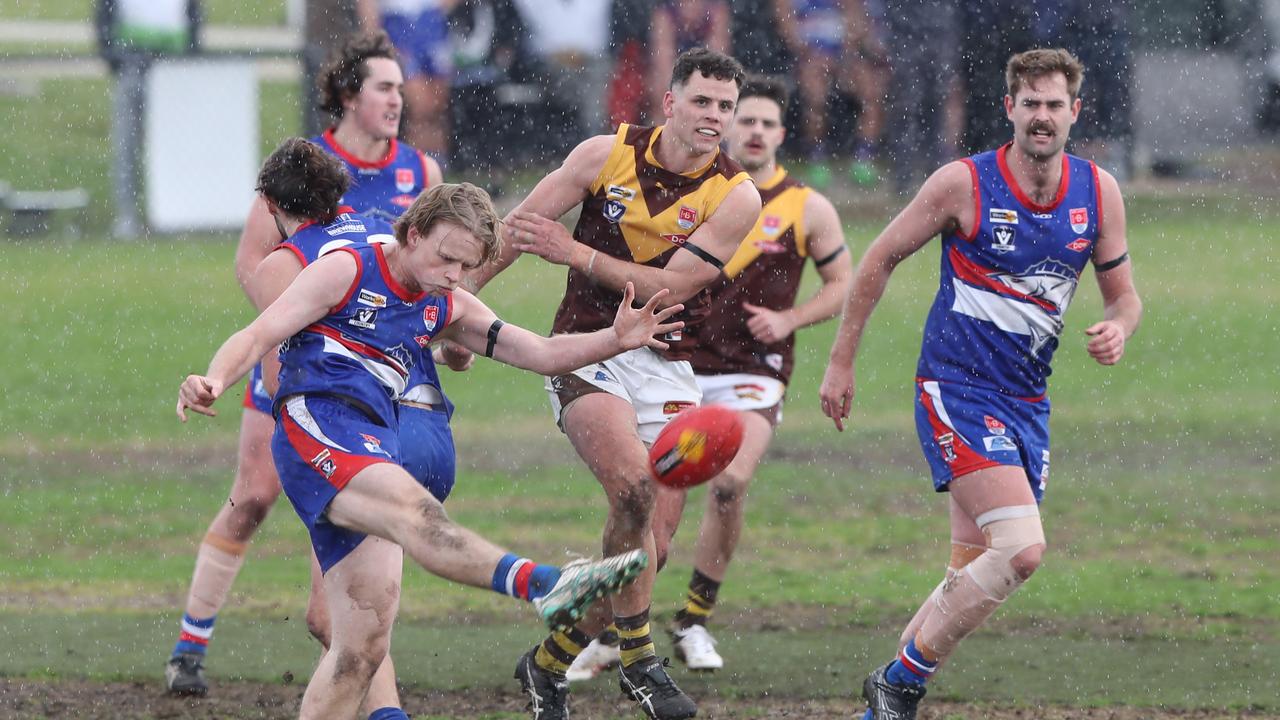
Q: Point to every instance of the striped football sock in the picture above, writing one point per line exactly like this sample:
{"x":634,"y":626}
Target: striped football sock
{"x":911,"y":667}
{"x":558,"y":651}
{"x":635,"y":642}
{"x":698,"y":601}
{"x":195,"y":635}
{"x":523,"y":578}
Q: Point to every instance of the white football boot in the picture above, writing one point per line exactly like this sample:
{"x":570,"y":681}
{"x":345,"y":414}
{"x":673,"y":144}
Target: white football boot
{"x":696,"y":648}
{"x":593,"y":660}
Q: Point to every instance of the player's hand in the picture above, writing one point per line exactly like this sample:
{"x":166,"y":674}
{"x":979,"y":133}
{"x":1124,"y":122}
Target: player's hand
{"x":532,"y":233}
{"x":768,"y":326}
{"x":636,"y":327}
{"x":1107,"y":343}
{"x":198,"y":393}
{"x":837,"y":392}
{"x":453,"y":356}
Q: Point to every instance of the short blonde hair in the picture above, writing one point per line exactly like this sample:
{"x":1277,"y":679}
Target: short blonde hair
{"x":1035,"y":64}
{"x":461,"y":204}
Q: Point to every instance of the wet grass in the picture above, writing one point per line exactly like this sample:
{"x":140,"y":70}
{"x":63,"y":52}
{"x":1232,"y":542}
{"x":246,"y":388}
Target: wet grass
{"x":219,"y":12}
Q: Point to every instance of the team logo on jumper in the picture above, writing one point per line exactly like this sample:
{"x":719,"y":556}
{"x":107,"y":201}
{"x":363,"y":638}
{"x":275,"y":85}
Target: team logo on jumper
{"x":749,"y":391}
{"x":673,"y":336}
{"x":613,"y":211}
{"x":994,"y":426}
{"x":324,"y":463}
{"x":671,"y":407}
{"x":404,"y":179}
{"x":676,"y":239}
{"x":343,"y":225}
{"x":1078,"y":245}
{"x":431,"y":316}
{"x":1000,"y":215}
{"x":401,"y":354}
{"x":769,"y":247}
{"x":602,"y":376}
{"x":366,"y":318}
{"x":618,"y":192}
{"x":368,"y":297}
{"x":1003,"y":236}
{"x":771,"y":225}
{"x":996,"y":443}
{"x":774,"y":360}
{"x":947,"y":443}
{"x":422,"y":340}
{"x":403,"y":201}
{"x":373,"y":444}
{"x":1079,"y":220}
{"x":687,"y":217}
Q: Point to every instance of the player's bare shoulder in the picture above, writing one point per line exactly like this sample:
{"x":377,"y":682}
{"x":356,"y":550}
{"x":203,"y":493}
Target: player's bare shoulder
{"x":949,"y":194}
{"x":585,"y":162}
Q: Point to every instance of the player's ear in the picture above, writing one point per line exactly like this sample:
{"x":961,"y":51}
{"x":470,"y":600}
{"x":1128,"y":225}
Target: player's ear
{"x":668,"y":103}
{"x":1075,"y":109}
{"x":1008,"y":106}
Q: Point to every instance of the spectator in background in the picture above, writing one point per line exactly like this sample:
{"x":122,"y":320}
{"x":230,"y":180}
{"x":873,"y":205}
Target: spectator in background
{"x":629,"y":29}
{"x":991,"y":31}
{"x":680,"y":25}
{"x":568,"y":40}
{"x":757,"y":44}
{"x":922,"y":60}
{"x":1099,"y":36}
{"x":868,"y":74}
{"x":488,"y":62}
{"x":420,"y":31}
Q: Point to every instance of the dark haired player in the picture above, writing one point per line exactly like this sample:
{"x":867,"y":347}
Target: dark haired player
{"x":664,"y":208}
{"x":1019,"y":224}
{"x":745,"y":349}
{"x":360,"y":87}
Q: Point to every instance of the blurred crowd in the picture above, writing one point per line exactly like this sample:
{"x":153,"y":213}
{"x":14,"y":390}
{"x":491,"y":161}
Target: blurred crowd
{"x":885,"y":89}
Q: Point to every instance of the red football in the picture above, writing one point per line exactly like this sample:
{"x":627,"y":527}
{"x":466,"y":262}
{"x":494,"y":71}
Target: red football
{"x":696,"y":445}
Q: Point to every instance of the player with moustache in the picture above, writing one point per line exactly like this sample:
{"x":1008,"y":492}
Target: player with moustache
{"x":1019,"y":224}
{"x":361,"y":89}
{"x":662,"y":207}
{"x":344,"y":327}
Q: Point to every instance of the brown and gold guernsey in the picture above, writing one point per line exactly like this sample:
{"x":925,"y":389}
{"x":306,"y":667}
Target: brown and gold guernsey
{"x":765,"y":271}
{"x":641,"y":212}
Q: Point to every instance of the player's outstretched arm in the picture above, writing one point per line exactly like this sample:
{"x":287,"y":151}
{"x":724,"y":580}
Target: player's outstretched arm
{"x":478,"y":329}
{"x":689,"y":270}
{"x":317,"y":289}
{"x":944,"y":202}
{"x":1121,"y":306}
{"x":825,"y":240}
{"x":553,"y":196}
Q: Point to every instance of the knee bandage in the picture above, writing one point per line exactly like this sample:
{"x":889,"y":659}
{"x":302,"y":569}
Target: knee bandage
{"x":1009,"y":531}
{"x":973,"y":593}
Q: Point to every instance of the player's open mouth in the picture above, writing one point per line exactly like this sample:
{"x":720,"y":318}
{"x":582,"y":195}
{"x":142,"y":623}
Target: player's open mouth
{"x":1042,"y":133}
{"x":708,"y":132}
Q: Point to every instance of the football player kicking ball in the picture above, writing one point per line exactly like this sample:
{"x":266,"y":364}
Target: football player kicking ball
{"x":744,"y":355}
{"x":662,"y":207}
{"x":1019,"y":224}
{"x":336,"y":444}
{"x":361,"y":89}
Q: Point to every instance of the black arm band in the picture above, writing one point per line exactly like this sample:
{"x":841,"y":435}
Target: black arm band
{"x":493,"y":337}
{"x":1111,"y":264}
{"x":715,"y":262}
{"x":829,"y":258}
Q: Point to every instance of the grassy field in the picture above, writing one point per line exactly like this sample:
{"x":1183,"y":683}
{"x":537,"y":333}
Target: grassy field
{"x":1160,"y":511}
{"x":218,"y":12}
{"x":1159,"y":590}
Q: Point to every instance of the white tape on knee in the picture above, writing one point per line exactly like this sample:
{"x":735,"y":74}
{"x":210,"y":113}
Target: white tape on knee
{"x":1009,"y":531}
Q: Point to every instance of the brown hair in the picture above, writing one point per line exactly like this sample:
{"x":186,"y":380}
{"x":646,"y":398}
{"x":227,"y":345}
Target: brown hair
{"x":303,"y":180}
{"x":461,"y":204}
{"x":346,"y":70}
{"x":1035,"y":64}
{"x":710,"y":64}
{"x":765,"y":87}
